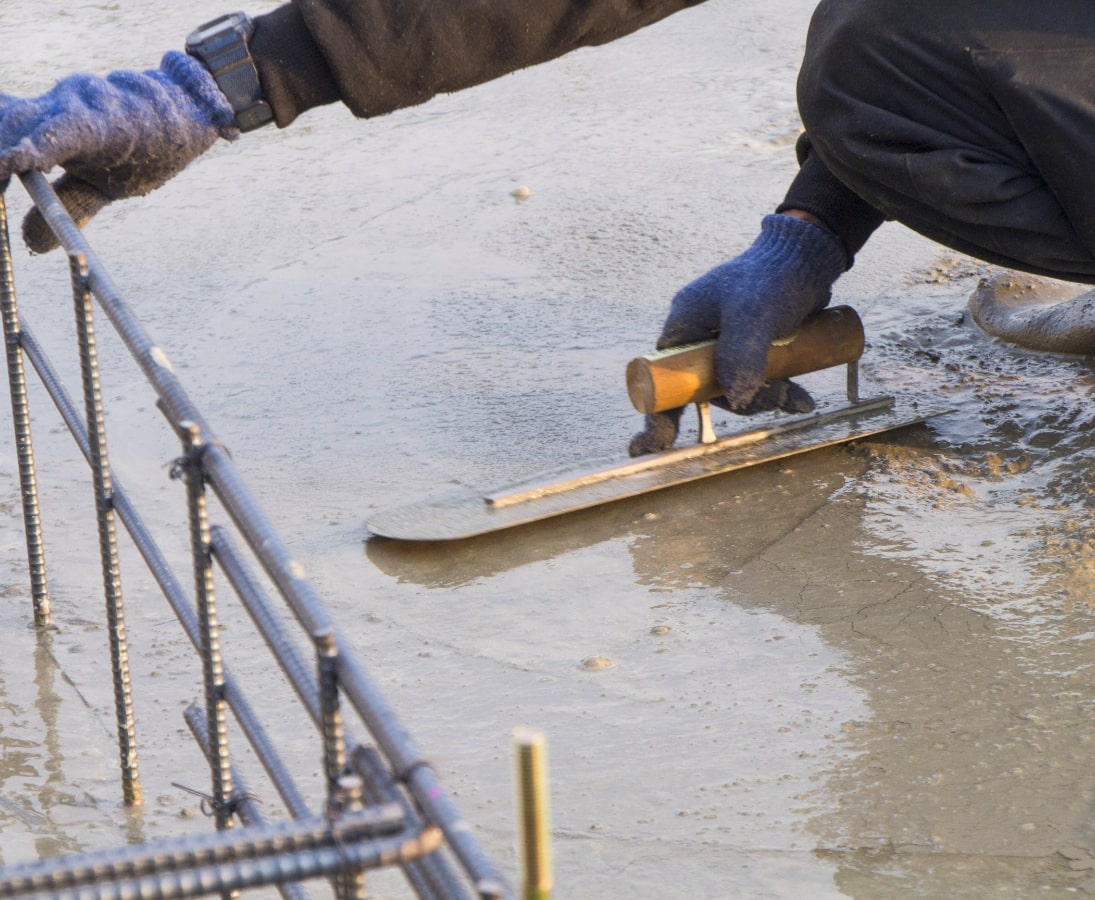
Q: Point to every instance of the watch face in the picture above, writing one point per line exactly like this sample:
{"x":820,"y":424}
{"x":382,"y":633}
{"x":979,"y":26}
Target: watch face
{"x":211,"y":29}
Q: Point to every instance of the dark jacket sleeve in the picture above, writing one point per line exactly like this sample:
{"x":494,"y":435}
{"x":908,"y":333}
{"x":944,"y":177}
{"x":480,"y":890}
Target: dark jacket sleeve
{"x":381,"y":55}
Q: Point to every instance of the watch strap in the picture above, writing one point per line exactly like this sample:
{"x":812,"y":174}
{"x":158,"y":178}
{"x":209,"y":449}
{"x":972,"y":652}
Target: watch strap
{"x":225,"y":53}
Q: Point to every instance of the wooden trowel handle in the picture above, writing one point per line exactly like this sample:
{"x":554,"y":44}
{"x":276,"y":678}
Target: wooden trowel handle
{"x":684,"y":375}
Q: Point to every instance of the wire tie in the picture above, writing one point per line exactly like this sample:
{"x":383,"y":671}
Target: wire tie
{"x":210,"y":805}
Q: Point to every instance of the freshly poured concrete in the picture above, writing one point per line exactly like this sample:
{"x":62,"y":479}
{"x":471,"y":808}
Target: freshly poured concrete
{"x":861,"y":673}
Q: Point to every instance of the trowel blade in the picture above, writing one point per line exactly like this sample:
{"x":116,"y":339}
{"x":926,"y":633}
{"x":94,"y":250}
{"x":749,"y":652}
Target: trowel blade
{"x":470,"y":513}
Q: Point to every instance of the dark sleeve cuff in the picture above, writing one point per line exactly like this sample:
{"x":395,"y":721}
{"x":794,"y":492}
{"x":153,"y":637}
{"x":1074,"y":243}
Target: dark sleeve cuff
{"x":293,"y":73}
{"x":817,"y":191}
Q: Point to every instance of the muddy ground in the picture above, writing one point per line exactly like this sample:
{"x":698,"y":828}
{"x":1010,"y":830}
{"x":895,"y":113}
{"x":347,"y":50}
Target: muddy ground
{"x":863,"y":672}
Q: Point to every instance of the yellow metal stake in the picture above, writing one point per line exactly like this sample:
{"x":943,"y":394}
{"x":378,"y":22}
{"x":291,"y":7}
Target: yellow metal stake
{"x":534,"y":821}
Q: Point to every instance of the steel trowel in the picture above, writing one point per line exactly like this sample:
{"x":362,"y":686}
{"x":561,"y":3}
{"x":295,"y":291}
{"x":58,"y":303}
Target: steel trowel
{"x":667,"y":380}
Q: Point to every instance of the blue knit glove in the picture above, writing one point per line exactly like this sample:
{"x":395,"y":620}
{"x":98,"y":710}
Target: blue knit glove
{"x":758,"y":297}
{"x":119,"y":136}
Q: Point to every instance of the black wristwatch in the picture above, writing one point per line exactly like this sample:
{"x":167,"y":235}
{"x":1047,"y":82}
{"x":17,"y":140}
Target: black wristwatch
{"x":222,"y":46}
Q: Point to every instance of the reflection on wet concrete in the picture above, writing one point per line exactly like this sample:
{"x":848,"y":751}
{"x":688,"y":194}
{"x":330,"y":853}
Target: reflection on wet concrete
{"x":966,"y":752}
{"x":59,"y":792}
{"x":730,"y":712}
{"x":53,"y":791}
{"x":964,"y":772}
{"x":648,"y":521}
{"x":34,"y":755}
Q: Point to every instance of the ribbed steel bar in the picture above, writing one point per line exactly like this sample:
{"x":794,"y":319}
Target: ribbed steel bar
{"x":24,"y":443}
{"x":334,"y":738}
{"x":168,"y":583}
{"x":151,"y":358}
{"x":422,"y":781}
{"x":408,"y":763}
{"x":344,"y":791}
{"x":348,"y":795}
{"x":298,"y":672}
{"x":108,"y":539}
{"x":243,"y":875}
{"x":220,"y":861}
{"x":245,"y":804}
{"x":432,"y":876}
{"x":212,"y":663}
{"x":58,"y":393}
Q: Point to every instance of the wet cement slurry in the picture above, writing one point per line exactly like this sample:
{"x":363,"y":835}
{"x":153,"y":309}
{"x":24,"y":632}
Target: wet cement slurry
{"x":863,"y":672}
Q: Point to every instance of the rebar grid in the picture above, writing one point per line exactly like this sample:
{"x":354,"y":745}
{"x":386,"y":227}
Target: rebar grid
{"x":392,"y":786}
{"x":431,"y":876}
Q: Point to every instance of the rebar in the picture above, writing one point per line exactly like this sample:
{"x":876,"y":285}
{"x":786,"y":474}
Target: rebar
{"x":334,"y":742}
{"x":222,"y":861}
{"x":207,"y":465}
{"x":169,"y":585}
{"x":108,"y":541}
{"x":212,"y":664}
{"x":245,"y":804}
{"x":24,"y":442}
{"x":432,"y":876}
{"x":344,"y":790}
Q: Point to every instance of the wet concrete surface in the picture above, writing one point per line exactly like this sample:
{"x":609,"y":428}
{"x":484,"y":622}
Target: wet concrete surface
{"x":864,"y":672}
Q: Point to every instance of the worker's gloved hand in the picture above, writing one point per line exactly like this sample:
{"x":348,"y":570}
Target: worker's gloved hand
{"x":758,"y":297}
{"x":115,"y":137}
